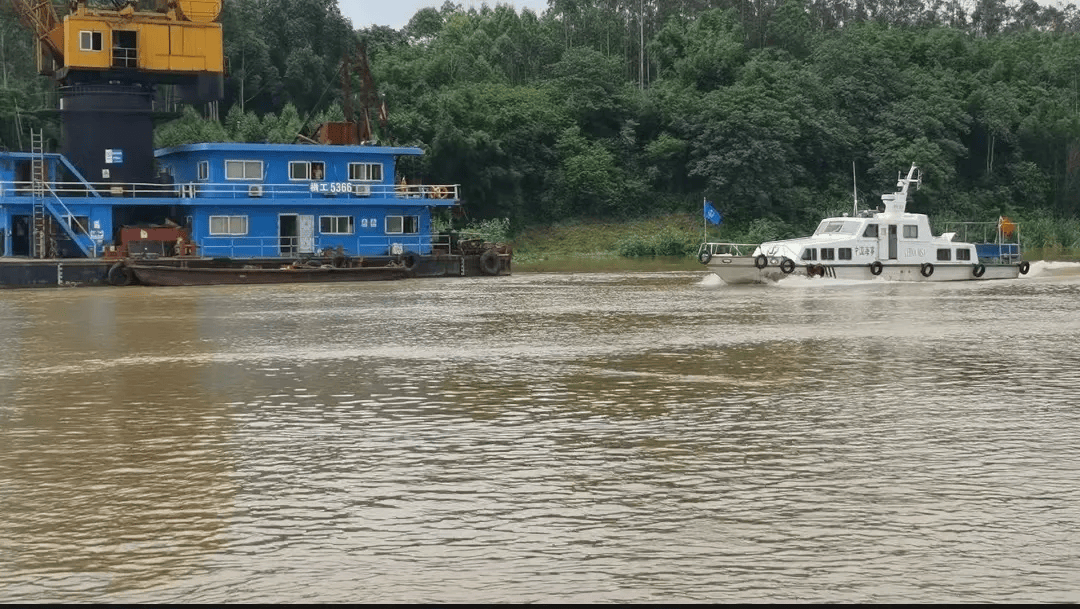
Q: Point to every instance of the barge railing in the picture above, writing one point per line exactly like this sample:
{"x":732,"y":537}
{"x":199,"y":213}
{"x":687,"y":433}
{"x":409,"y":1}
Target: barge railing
{"x":350,"y":245}
{"x":437,"y":193}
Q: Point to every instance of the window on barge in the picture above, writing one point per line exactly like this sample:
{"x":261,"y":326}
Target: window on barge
{"x":228,"y":225}
{"x":307,"y":170}
{"x":365,"y":172}
{"x":871,"y":231}
{"x":963,"y":254}
{"x":336,"y":225}
{"x":844,"y":253}
{"x":243,"y":170}
{"x":809,"y":253}
{"x":944,"y":254}
{"x":828,"y":253}
{"x":79,"y":224}
{"x":402,"y":225}
{"x":911,"y":231}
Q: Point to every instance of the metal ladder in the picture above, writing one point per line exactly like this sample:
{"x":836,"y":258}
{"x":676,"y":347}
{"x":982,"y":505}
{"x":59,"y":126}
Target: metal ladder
{"x":37,"y":189}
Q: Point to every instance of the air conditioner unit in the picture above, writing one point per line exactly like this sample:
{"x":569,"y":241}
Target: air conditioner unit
{"x":362,"y":190}
{"x":255,"y":190}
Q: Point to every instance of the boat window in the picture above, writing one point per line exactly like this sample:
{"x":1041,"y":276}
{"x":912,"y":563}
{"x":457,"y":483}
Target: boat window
{"x":828,"y":253}
{"x":228,"y":225}
{"x":809,"y":253}
{"x":944,"y":254}
{"x":963,"y":254}
{"x":871,"y":231}
{"x":911,"y":231}
{"x":307,"y":170}
{"x":836,"y":226}
{"x":408,"y":225}
{"x":204,"y":170}
{"x":336,"y":225}
{"x":243,"y":170}
{"x":844,"y":253}
{"x":365,"y":172}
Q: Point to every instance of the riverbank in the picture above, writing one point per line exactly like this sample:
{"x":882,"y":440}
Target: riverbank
{"x":660,"y":243}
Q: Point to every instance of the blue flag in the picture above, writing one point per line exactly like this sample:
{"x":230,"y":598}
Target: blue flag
{"x":711,"y":214}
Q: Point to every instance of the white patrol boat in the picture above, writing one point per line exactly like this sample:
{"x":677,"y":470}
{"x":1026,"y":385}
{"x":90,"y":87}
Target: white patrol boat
{"x":891,"y":244}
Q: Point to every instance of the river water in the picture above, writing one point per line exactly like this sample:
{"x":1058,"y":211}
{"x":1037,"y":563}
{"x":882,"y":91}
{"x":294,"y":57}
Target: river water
{"x":546,"y":437}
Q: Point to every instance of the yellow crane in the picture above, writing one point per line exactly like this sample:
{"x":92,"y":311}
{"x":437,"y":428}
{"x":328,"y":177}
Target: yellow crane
{"x":108,"y":58}
{"x":168,"y":41}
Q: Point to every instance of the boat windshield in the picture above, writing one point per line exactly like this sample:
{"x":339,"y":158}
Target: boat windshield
{"x":840,"y":227}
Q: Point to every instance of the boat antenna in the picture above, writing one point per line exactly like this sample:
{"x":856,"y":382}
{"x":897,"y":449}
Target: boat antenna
{"x":855,"y":192}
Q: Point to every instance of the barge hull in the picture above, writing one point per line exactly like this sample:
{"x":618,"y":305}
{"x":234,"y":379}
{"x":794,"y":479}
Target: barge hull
{"x":51,"y":273}
{"x":76,"y":272}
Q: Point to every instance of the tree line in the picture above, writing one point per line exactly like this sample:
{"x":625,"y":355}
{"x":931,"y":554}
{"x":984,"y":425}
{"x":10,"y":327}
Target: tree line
{"x":774,"y":110}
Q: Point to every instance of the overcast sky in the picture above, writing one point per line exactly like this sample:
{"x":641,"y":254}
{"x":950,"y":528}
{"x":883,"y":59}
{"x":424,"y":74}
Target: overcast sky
{"x":396,"y":13}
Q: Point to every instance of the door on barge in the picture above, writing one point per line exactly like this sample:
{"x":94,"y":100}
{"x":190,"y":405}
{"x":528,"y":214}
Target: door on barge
{"x":20,"y":236}
{"x":296,"y":235}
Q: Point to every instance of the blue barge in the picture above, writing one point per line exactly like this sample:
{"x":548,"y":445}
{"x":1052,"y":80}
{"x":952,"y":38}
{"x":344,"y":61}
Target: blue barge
{"x":291,"y":208}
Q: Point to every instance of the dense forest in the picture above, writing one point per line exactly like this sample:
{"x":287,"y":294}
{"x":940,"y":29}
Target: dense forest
{"x":772,"y":109}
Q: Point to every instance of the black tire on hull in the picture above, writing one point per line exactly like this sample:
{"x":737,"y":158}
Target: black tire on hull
{"x":119,"y":275}
{"x":489,"y":262}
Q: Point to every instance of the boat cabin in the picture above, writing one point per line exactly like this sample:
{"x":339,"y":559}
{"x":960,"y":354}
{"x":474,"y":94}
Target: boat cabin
{"x":903,"y":238}
{"x":230,"y":200}
{"x":891,"y":235}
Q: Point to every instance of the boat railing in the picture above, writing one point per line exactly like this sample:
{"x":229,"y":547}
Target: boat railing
{"x":995,"y":242}
{"x":320,"y":245}
{"x":727,"y":249}
{"x":446,"y":193}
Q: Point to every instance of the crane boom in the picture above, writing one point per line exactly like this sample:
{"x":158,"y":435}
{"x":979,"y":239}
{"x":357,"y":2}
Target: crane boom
{"x":39,"y":16}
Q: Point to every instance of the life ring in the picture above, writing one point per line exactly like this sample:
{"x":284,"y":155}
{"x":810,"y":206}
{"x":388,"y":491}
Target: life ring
{"x":978,"y":269}
{"x":876,"y":267}
{"x":761,"y":261}
{"x":927,"y":269}
{"x":704,"y":257}
{"x":438,"y":192}
{"x":1025,"y":266}
{"x":489,"y":262}
{"x":119,"y":275}
{"x":787,"y":265}
{"x":410,"y":259}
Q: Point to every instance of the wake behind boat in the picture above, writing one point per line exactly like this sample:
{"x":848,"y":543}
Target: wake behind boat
{"x":891,"y":244}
